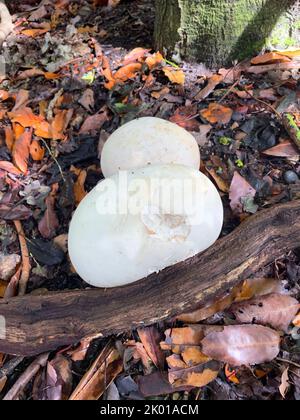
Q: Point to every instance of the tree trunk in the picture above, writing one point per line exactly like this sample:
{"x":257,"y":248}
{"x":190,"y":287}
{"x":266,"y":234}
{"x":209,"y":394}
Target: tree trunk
{"x":35,"y":324}
{"x":217,"y":32}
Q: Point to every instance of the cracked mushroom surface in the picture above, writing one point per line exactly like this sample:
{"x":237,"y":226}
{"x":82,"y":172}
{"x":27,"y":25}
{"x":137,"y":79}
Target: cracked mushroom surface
{"x":139,"y":222}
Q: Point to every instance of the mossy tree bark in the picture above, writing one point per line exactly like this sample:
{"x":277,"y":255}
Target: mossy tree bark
{"x":217,"y":32}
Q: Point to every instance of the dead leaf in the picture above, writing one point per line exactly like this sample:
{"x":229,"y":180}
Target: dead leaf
{"x":37,"y":152}
{"x":258,"y":286}
{"x":215,"y":80}
{"x":99,"y":376}
{"x":49,"y":223}
{"x":285,"y":384}
{"x":127,"y":72}
{"x":284,"y":149}
{"x":8,"y":265}
{"x":193,"y":356}
{"x":268,"y":94}
{"x":185,"y":117}
{"x":59,"y":379}
{"x":239,"y":189}
{"x":270,"y":58}
{"x":80,"y":352}
{"x":231,"y":375}
{"x":154,"y":60}
{"x":196,"y":376}
{"x":175,"y":75}
{"x":26,"y":118}
{"x":60,"y":123}
{"x":87,"y":100}
{"x":135,"y":55}
{"x":21,"y":99}
{"x":94,"y":123}
{"x":216,"y":113}
{"x":275,"y":310}
{"x":221,"y":183}
{"x":242,"y":345}
{"x":33,"y":33}
{"x":157,"y":384}
{"x":9,"y":167}
{"x":79,"y":190}
{"x":21,"y":149}
{"x":4,"y":95}
{"x":3,"y":381}
{"x":150,"y":338}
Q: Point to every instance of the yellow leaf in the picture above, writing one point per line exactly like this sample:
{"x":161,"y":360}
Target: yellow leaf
{"x":174,"y":75}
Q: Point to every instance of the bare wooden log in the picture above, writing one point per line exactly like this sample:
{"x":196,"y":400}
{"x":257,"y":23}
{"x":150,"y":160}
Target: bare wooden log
{"x":35,"y":324}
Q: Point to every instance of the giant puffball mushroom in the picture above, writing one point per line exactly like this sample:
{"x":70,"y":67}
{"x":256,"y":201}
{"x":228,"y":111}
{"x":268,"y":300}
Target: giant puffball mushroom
{"x":139,"y":222}
{"x":148,"y":141}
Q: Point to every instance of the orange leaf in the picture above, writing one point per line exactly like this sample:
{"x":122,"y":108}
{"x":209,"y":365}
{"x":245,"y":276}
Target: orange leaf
{"x":79,"y":190}
{"x":270,"y":58}
{"x":231,"y":375}
{"x":21,"y":99}
{"x":21,"y":151}
{"x":107,"y":73}
{"x":51,"y":76}
{"x":9,"y":167}
{"x":4,"y":95}
{"x":18,"y":130}
{"x":217,"y":113}
{"x":37,"y":152}
{"x":174,"y":75}
{"x":37,"y":32}
{"x":135,"y":55}
{"x":154,"y":60}
{"x":25,"y":117}
{"x":212,"y":83}
{"x":60,"y":123}
{"x":9,"y":138}
{"x":127,"y":72}
{"x":296,"y":321}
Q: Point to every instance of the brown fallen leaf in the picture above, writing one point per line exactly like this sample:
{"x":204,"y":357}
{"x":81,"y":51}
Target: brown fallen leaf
{"x":94,"y":122}
{"x":258,"y":286}
{"x":185,"y":117}
{"x":196,"y":376}
{"x":285,"y":383}
{"x":239,"y":189}
{"x":216,"y":113}
{"x":26,"y":118}
{"x":60,"y":123}
{"x":193,"y":356}
{"x":150,"y":338}
{"x":99,"y":376}
{"x":221,"y":183}
{"x":154,"y":60}
{"x":21,"y":99}
{"x":157,"y":384}
{"x":242,"y":345}
{"x":296,"y":321}
{"x":49,"y":223}
{"x":21,"y":150}
{"x":9,"y":167}
{"x":87,"y":100}
{"x":175,"y":75}
{"x":135,"y":55}
{"x":284,"y":149}
{"x":275,"y":310}
{"x":79,"y":190}
{"x":270,"y":58}
{"x":59,"y":379}
{"x":80,"y":352}
{"x":215,"y":80}
{"x":260,"y":69}
{"x":127,"y":72}
{"x":3,"y":286}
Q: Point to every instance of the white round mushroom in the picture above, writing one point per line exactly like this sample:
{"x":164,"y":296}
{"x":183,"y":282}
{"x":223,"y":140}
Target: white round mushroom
{"x":148,"y":141}
{"x":139,"y":222}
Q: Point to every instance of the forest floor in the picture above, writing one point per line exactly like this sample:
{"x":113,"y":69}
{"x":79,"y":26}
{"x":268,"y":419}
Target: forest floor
{"x":73,"y":74}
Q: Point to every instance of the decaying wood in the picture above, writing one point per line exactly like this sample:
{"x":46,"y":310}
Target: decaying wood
{"x":35,"y":324}
{"x":6,"y":25}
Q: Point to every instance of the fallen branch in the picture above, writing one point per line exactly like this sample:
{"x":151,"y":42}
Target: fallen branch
{"x":6,"y":25}
{"x":40,"y":323}
{"x":26,"y":377}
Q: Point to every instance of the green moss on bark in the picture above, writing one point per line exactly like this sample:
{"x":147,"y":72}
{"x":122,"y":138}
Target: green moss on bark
{"x":219,"y":31}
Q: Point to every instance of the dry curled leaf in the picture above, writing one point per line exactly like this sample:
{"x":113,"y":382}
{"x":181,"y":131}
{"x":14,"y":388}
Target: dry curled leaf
{"x":275,"y":310}
{"x":94,"y":123}
{"x":196,"y":376}
{"x":49,"y":223}
{"x":59,"y":379}
{"x":99,"y":376}
{"x":240,"y":189}
{"x":21,"y":149}
{"x":216,"y":113}
{"x":270,"y":58}
{"x":175,"y":75}
{"x":150,"y":338}
{"x":242,"y":345}
{"x":212,"y":83}
{"x":284,"y":149}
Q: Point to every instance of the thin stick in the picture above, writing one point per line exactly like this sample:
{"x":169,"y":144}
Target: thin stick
{"x":26,"y":377}
{"x":10,"y":366}
{"x":264,"y":103}
{"x":54,"y":158}
{"x":25,"y":259}
{"x":288,"y":361}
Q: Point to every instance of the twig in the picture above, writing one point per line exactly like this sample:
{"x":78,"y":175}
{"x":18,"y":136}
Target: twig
{"x":264,"y":103}
{"x":6,"y":25}
{"x":10,"y":366}
{"x":26,"y":377}
{"x":288,"y":361}
{"x":54,"y":158}
{"x":25,"y":259}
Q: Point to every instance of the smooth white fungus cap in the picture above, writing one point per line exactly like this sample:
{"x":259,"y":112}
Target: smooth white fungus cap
{"x":148,"y":141}
{"x":139,"y":222}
